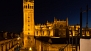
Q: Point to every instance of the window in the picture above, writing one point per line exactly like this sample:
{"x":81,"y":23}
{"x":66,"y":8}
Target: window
{"x":61,"y":49}
{"x":48,"y":33}
{"x":28,"y":17}
{"x":28,"y":6}
{"x":69,"y":32}
{"x":2,"y":47}
{"x":24,"y":6}
{"x":28,"y":33}
{"x":36,"y":32}
{"x":43,"y":33}
{"x":73,"y":50}
{"x":28,"y":25}
{"x":61,"y":26}
{"x":28,"y":29}
{"x":28,"y":21}
{"x":28,"y":37}
{"x":32,"y":7}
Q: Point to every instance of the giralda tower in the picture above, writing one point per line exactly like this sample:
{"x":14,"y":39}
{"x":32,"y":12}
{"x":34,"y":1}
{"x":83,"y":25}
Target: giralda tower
{"x":28,"y":23}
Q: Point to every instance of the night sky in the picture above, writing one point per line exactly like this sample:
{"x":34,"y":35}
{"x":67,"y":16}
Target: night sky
{"x":11,"y":14}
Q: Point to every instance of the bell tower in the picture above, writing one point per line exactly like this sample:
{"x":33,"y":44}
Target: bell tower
{"x":28,"y":23}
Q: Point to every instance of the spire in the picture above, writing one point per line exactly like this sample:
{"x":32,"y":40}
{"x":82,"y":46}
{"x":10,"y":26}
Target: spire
{"x":67,"y":21}
{"x":47,"y":22}
{"x":55,"y":19}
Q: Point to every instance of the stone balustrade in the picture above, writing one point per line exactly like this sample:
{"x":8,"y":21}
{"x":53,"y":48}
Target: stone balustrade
{"x":10,"y":44}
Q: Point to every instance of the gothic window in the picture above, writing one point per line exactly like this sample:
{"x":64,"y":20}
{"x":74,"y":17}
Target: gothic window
{"x":73,"y":50}
{"x":6,"y":47}
{"x":43,"y":33}
{"x":48,"y":33}
{"x":28,"y":29}
{"x":28,"y":37}
{"x":24,"y":6}
{"x":61,"y":26}
{"x":36,"y":32}
{"x":28,"y":33}
{"x":2,"y":47}
{"x":32,"y":7}
{"x":28,"y":6}
{"x":28,"y":25}
{"x":69,"y":32}
{"x":28,"y":17}
{"x":28,"y":21}
{"x":61,"y":49}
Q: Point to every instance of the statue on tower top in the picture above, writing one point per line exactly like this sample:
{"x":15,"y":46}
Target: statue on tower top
{"x":28,"y":0}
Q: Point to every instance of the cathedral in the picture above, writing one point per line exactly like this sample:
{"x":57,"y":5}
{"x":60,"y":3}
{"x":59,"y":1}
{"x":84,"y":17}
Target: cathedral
{"x":57,"y":28}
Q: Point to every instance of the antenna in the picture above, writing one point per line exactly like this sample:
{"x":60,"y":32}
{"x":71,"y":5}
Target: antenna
{"x":87,"y":18}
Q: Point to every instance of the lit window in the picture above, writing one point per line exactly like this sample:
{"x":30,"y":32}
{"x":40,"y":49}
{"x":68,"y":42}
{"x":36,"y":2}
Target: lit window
{"x":69,"y":32}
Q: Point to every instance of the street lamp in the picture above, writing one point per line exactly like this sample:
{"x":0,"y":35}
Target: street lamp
{"x":30,"y":49}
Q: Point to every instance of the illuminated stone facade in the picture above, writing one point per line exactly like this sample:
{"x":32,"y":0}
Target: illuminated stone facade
{"x":49,"y":29}
{"x":28,"y":26}
{"x":74,"y":30}
{"x":52,"y":29}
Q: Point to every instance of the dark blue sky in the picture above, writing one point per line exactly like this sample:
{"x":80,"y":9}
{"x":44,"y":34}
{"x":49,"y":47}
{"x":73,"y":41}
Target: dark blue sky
{"x":11,"y":18}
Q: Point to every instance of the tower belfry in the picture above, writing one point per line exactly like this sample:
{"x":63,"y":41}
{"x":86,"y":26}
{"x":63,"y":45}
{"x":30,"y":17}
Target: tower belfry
{"x":28,"y":23}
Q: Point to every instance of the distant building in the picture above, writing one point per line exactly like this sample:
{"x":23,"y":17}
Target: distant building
{"x":56,"y":28}
{"x":74,"y":30}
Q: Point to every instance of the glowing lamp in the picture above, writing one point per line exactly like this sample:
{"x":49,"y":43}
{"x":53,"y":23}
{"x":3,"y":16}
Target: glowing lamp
{"x":30,"y":48}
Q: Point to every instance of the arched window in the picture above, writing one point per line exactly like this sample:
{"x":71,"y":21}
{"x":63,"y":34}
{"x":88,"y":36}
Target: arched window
{"x":28,"y":6}
{"x":48,"y":33}
{"x":2,"y":47}
{"x":32,"y":7}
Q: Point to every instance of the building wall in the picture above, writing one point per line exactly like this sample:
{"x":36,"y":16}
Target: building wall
{"x":28,"y":26}
{"x":75,"y":29}
{"x":48,"y":29}
{"x":44,"y":30}
{"x":55,"y":47}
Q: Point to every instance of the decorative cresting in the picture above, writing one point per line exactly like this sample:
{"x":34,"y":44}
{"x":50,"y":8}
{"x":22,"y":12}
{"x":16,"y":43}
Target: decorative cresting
{"x":28,"y":23}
